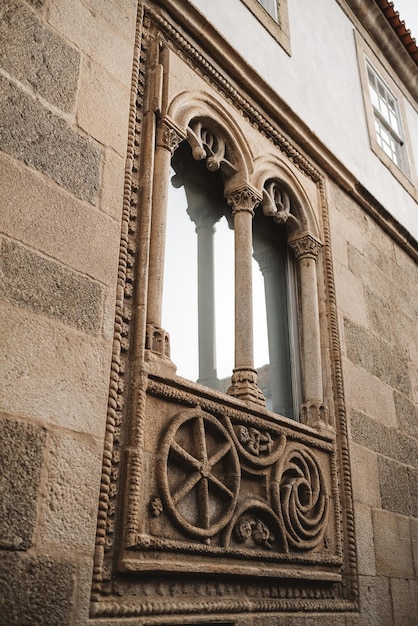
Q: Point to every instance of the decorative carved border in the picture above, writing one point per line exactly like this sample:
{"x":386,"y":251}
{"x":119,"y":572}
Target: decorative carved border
{"x":108,"y":588}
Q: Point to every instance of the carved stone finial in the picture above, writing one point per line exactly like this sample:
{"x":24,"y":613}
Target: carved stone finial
{"x":157,"y":340}
{"x":315,"y":414}
{"x":306,"y":247}
{"x":244,"y":199}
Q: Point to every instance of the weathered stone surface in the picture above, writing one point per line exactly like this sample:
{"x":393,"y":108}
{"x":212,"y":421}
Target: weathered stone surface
{"x":381,"y":315}
{"x":46,"y":287}
{"x":377,"y":357}
{"x":35,"y":590}
{"x":365,"y":476}
{"x":370,"y":433}
{"x":364,"y":537}
{"x":394,"y":486}
{"x":103,"y":109}
{"x":21,"y":457}
{"x":95,"y":36}
{"x":68,"y":511}
{"x":46,"y":142}
{"x":38,"y":4}
{"x":405,"y":601}
{"x":375,"y":604}
{"x":111,"y":196}
{"x":407,"y":414}
{"x":292,"y":620}
{"x":369,"y":273}
{"x":56,"y":223}
{"x":347,"y":229}
{"x":350,"y":296}
{"x":414,"y":541}
{"x":56,"y":374}
{"x":413,"y":490}
{"x":36,"y":55}
{"x":392,"y":545}
{"x":367,"y":394}
{"x":120,"y":15}
{"x":404,"y":448}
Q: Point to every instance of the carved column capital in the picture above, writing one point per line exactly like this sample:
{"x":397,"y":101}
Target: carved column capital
{"x":245,"y":198}
{"x":306,"y":247}
{"x":169,"y":135}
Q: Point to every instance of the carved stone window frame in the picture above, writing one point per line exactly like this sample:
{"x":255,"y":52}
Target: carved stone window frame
{"x":272,"y":547}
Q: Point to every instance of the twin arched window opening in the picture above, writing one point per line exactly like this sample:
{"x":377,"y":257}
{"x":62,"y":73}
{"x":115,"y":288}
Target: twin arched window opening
{"x":198,"y":295}
{"x":233,"y":228}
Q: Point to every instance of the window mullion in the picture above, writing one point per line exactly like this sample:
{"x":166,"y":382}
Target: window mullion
{"x":167,"y":140}
{"x":244,"y":379}
{"x":314,"y":413}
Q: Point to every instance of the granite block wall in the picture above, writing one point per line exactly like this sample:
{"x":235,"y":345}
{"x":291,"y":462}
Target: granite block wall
{"x":65,"y":73}
{"x":377,"y":289}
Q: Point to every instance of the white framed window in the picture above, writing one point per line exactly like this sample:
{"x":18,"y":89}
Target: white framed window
{"x":271,"y":7}
{"x":387,"y":119}
{"x":273,"y":15}
{"x":385,"y":100}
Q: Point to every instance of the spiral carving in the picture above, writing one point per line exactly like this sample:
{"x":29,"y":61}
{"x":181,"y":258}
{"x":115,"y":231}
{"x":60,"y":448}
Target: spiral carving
{"x":299,"y":496}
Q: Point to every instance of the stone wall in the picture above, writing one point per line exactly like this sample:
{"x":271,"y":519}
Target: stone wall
{"x":377,"y":294}
{"x":64,"y":98}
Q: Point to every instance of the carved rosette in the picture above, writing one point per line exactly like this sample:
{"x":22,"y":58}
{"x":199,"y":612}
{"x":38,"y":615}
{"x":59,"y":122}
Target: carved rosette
{"x":199,"y":473}
{"x":299,"y":494}
{"x":306,"y":247}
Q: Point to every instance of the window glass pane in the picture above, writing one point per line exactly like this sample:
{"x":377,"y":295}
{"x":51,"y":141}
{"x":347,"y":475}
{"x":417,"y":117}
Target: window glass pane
{"x":179,"y":316}
{"x":270,"y":6}
{"x":274,"y":360}
{"x":198,"y":296}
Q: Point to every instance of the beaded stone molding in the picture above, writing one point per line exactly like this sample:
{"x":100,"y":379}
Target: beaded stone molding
{"x":207,"y":506}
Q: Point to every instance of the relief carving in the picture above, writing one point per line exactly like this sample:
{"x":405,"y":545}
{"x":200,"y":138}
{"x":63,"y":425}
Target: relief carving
{"x":255,"y":441}
{"x":299,"y":494}
{"x":199,"y":473}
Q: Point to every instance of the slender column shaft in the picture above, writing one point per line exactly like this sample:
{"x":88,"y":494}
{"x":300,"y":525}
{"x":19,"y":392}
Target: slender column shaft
{"x":306,"y":250}
{"x":244,"y":352}
{"x":168,"y":139}
{"x":206,"y":305}
{"x":244,"y":379}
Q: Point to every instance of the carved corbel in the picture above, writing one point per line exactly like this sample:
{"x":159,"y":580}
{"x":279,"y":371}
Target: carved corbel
{"x":210,"y":146}
{"x":276,"y":203}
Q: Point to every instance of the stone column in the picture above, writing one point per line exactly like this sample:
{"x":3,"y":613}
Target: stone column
{"x":313,"y":411}
{"x":205,"y":220}
{"x":244,"y":378}
{"x":168,"y":138}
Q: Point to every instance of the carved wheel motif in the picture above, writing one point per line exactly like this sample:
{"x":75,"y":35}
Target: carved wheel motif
{"x":199,"y":473}
{"x":299,"y":495}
